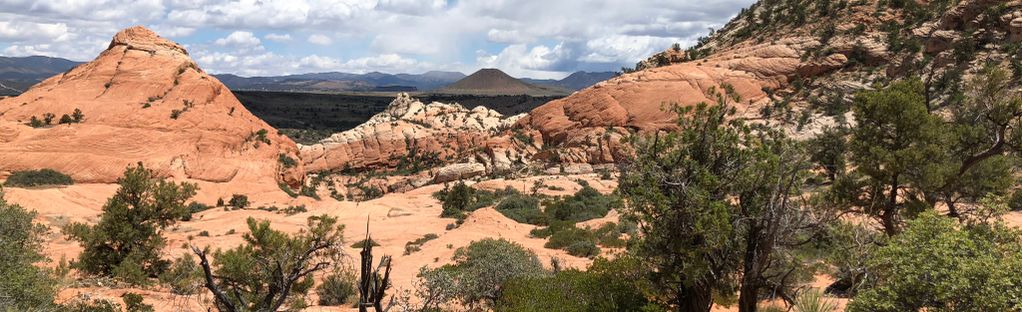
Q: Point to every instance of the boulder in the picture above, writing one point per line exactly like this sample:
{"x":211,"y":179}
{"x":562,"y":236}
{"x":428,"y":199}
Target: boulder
{"x":457,"y":172}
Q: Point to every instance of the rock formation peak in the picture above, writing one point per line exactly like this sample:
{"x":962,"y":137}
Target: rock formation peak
{"x":141,"y":38}
{"x":408,"y":127}
{"x":143,"y":100}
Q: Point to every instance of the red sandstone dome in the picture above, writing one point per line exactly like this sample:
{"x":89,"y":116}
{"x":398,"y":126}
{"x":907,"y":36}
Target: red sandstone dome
{"x":143,"y":100}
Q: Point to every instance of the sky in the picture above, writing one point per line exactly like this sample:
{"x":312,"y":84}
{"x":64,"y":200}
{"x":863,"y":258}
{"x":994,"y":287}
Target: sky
{"x":546,"y":39}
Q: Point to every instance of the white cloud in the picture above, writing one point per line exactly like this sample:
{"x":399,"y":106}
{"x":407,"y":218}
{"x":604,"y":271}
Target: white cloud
{"x":530,"y":37}
{"x":173,"y":31}
{"x":521,"y":61}
{"x":242,"y":39}
{"x":278,"y":37}
{"x":320,"y":40}
{"x":21,"y":31}
{"x":506,"y":36}
{"x":623,"y":49}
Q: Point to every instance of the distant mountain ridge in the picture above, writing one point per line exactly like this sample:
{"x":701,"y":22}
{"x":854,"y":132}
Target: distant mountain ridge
{"x":576,"y":81}
{"x":339,"y":82}
{"x":17,"y":74}
{"x":490,"y":81}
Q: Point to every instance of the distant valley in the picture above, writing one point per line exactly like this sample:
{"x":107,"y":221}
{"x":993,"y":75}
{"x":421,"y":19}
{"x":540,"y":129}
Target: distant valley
{"x":17,"y":74}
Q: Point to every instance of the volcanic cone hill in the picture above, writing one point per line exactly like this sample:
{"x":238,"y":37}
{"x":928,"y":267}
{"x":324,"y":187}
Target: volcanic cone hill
{"x":491,"y":81}
{"x":142,"y":100}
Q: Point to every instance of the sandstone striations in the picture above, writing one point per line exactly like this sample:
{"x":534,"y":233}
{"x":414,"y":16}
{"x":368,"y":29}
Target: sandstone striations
{"x":411,"y":131}
{"x":790,"y":72}
{"x":587,"y":127}
{"x":142,"y":100}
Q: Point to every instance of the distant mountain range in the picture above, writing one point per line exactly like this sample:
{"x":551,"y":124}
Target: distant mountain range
{"x":17,"y":74}
{"x":491,"y":81}
{"x":576,"y":81}
{"x":340,"y":82}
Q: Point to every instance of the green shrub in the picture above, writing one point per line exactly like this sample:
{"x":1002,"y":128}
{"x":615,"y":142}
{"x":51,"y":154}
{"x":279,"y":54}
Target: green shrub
{"x":608,"y":285}
{"x":416,"y":245}
{"x":133,"y":303}
{"x":96,"y":305}
{"x":585,"y":249}
{"x":184,"y":277}
{"x":287,"y":189}
{"x":34,"y":122}
{"x":193,"y":208}
{"x":40,"y":177}
{"x":481,"y":269}
{"x":309,"y":191}
{"x":252,"y":273}
{"x":522,"y":208}
{"x":361,"y":244}
{"x":126,"y":242}
{"x":1015,"y":203}
{"x":24,"y":286}
{"x":287,"y":161}
{"x":337,"y":289}
{"x":586,"y":204}
{"x":938,"y":263}
{"x":461,"y":198}
{"x":293,"y":210}
{"x":77,"y":115}
{"x":239,"y":201}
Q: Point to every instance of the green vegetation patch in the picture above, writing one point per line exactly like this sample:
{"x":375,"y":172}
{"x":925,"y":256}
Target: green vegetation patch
{"x":42,"y":177}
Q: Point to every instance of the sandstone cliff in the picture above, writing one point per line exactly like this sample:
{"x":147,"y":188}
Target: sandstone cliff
{"x":411,"y":131}
{"x":142,"y":100}
{"x":796,"y":65}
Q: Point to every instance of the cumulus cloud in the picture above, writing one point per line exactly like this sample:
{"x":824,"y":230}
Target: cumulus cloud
{"x":16,"y":31}
{"x":240,"y":39}
{"x":537,"y":62}
{"x":278,"y":37}
{"x":624,"y":48}
{"x":525,"y":37}
{"x":320,"y":40}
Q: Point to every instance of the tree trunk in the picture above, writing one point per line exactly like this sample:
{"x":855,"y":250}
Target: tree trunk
{"x":697,"y":298}
{"x":890,"y":215}
{"x":748,"y":292}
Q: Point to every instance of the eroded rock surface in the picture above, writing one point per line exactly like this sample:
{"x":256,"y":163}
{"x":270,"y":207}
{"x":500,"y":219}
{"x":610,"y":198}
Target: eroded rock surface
{"x":143,"y":100}
{"x":409,"y":130}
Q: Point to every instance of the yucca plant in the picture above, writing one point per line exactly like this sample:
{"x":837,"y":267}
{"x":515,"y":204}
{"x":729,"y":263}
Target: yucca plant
{"x":813,"y":300}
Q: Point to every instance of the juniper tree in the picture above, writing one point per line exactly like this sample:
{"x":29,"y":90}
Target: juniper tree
{"x":272,"y":269}
{"x":717,"y":208}
{"x":127,"y":240}
{"x":23,"y":285}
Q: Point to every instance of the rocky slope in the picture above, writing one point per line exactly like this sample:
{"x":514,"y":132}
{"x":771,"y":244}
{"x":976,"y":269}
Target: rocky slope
{"x":142,"y":100}
{"x":795,"y":64}
{"x":431,"y":134}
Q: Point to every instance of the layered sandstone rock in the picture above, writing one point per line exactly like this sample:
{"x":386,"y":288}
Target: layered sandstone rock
{"x":587,"y":127}
{"x":411,"y":129}
{"x":143,"y":100}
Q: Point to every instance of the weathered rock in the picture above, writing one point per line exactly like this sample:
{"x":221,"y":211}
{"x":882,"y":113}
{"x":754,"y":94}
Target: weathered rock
{"x":408,"y":127}
{"x":587,"y":127}
{"x":128,"y":96}
{"x":817,"y":67}
{"x":577,"y":169}
{"x":456,"y":172}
